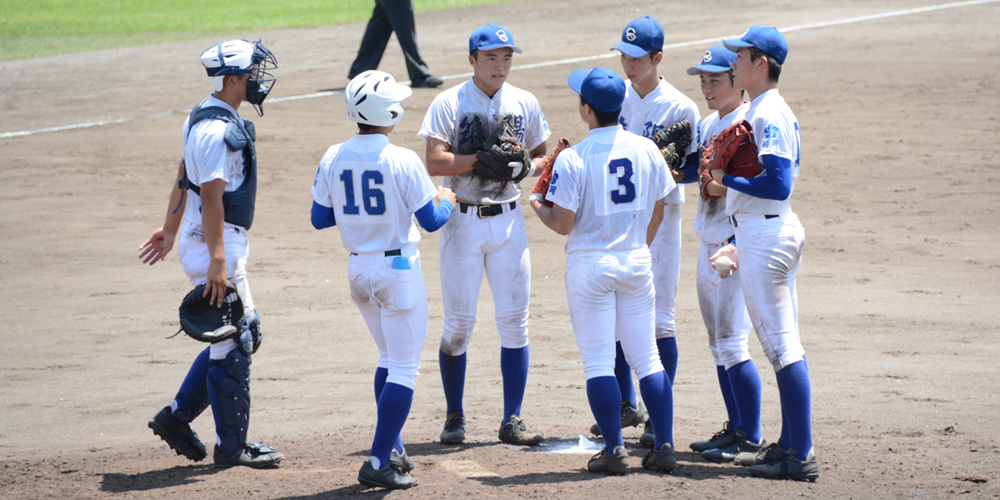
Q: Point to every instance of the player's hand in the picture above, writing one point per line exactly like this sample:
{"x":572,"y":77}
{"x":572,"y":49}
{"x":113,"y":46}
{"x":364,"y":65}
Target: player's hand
{"x":714,"y":188}
{"x":156,"y":247}
{"x":729,"y":253}
{"x":215,"y":288}
{"x":717,"y":175}
{"x":446,"y":194}
{"x":677,"y":175}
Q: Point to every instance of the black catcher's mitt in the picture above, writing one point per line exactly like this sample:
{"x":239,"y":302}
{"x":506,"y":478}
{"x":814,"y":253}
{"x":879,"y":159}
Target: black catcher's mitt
{"x":672,"y":142}
{"x":205,"y":322}
{"x":503,"y":158}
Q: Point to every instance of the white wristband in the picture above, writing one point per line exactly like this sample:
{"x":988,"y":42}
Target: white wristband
{"x":535,"y":197}
{"x":531,"y":171}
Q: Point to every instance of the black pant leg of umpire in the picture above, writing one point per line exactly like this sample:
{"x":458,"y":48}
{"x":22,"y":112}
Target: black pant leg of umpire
{"x":373,"y":43}
{"x":401,"y":16}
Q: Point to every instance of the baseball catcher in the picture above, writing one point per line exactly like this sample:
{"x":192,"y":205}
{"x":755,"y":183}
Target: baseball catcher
{"x":502,"y":158}
{"x":542,"y":186}
{"x":733,"y":151}
{"x":672,"y":142}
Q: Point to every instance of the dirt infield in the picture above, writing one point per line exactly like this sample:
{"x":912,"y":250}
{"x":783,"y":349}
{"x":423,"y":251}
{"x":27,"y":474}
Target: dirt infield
{"x":898,"y":290}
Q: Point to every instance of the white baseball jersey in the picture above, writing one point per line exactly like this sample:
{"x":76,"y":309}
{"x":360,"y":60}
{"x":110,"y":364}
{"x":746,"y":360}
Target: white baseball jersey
{"x":776,"y":132}
{"x":661,"y":108}
{"x":712,"y":224}
{"x":612,"y":180}
{"x":207,"y":158}
{"x":464,"y":116}
{"x":373,"y":188}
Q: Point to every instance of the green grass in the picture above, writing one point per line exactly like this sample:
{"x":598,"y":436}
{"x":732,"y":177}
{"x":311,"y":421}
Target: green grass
{"x":34,"y":28}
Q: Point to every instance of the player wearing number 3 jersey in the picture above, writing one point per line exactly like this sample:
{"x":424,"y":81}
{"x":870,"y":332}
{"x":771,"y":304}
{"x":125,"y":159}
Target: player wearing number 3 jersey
{"x":608,"y":194}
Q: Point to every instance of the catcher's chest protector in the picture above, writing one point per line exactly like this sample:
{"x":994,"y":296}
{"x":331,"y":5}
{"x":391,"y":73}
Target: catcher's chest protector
{"x":240,"y":135}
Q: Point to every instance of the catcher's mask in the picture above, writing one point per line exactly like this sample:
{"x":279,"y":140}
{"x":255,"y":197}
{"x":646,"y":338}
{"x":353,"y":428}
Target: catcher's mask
{"x":242,"y":57}
{"x":373,"y":98}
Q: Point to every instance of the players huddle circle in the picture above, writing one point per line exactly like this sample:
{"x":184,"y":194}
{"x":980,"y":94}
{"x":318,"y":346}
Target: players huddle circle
{"x":616,"y":195}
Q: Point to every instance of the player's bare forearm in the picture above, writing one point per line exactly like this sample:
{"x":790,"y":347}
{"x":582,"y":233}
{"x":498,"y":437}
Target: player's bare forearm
{"x":555,"y":217}
{"x":442,"y":162}
{"x":161,"y":242}
{"x":538,"y":159}
{"x":654,"y":222}
{"x":213,"y":222}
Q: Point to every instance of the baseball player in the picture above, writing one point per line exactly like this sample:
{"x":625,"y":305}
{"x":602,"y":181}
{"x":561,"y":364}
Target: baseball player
{"x":722,"y":306}
{"x":607,"y":193}
{"x":487,"y":233}
{"x":371,"y":190}
{"x":218,"y":178}
{"x":769,"y":239}
{"x":652,"y":104}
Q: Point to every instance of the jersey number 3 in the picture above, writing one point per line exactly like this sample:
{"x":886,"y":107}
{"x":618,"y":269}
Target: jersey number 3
{"x":374,"y":198}
{"x":622,"y":169}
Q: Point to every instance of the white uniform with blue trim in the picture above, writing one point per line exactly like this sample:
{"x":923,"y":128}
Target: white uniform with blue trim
{"x":645,"y":116}
{"x":770,"y":238}
{"x":374,"y":188}
{"x":497,"y":245}
{"x":612,"y":181}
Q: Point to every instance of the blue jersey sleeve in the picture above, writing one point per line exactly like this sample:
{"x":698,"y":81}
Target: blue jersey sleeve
{"x":776,"y":185}
{"x":322,"y":217}
{"x":431,"y":218}
{"x":690,"y":169}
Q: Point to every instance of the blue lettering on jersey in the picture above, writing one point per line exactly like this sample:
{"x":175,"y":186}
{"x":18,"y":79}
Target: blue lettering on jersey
{"x":552,"y":183}
{"x":621,"y":121}
{"x":470,"y":134}
{"x":770,"y":136}
{"x":514,"y":122}
{"x":650,"y":129}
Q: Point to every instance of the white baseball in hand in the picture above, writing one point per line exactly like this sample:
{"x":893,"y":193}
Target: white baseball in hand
{"x":723,"y":264}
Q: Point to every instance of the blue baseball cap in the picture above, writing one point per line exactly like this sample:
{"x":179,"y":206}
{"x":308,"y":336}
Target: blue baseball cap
{"x":602,"y":88}
{"x":717,"y":59}
{"x":640,"y":37}
{"x":491,"y":36}
{"x":765,"y":38}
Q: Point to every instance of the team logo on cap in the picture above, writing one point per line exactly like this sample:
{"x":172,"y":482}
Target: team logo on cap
{"x":708,"y":57}
{"x":630,"y":34}
{"x":502,"y":35}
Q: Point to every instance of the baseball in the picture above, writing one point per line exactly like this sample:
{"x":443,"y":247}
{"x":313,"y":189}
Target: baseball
{"x":723,"y":264}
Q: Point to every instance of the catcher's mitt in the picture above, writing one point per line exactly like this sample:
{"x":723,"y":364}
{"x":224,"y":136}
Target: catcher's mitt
{"x":542,"y":186}
{"x":733,"y":151}
{"x":502,"y":157}
{"x":205,"y":322}
{"x":672,"y":142}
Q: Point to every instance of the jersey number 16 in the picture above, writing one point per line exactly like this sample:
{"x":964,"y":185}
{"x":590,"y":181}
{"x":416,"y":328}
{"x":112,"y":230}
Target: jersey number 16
{"x":374,"y":198}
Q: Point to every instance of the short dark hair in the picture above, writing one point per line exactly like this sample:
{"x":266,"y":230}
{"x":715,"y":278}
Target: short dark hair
{"x":604,"y":118}
{"x":773,"y":66}
{"x":364,"y":127}
{"x":474,"y":54}
{"x":652,"y":54}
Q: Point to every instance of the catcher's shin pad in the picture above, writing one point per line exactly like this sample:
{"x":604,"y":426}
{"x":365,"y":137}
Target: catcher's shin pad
{"x":673,"y":141}
{"x":205,"y":322}
{"x":542,"y":186}
{"x":502,"y":158}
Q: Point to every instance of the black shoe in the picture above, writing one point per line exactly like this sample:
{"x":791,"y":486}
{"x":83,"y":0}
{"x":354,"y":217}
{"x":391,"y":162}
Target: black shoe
{"x":631,"y":417}
{"x":454,"y":428}
{"x":770,"y":454}
{"x":255,"y":456}
{"x":515,"y":432}
{"x":613,"y":463}
{"x":390,"y":477}
{"x":662,"y":460}
{"x":428,"y":83}
{"x":788,"y":467}
{"x":406,"y":464}
{"x":721,"y":439}
{"x":178,"y":435}
{"x":729,"y":453}
{"x":648,"y":437}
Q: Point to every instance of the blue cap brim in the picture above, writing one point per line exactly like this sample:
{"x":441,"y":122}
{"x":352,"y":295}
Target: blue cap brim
{"x":512,"y":47}
{"x":630,"y":50}
{"x":708,"y":68}
{"x":735,"y":45}
{"x":576,"y":78}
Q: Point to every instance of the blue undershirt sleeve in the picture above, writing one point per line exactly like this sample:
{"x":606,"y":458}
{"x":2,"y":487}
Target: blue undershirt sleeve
{"x":690,"y":169}
{"x":776,"y":185}
{"x":431,"y":218}
{"x":322,"y":217}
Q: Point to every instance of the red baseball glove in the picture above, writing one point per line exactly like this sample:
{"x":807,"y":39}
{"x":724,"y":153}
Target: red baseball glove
{"x":733,"y":151}
{"x":542,"y":186}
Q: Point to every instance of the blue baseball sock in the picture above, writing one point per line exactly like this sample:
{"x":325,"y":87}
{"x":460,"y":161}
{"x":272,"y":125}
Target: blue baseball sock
{"x":514,"y":369}
{"x":381,"y":374}
{"x":727,"y":396}
{"x":623,"y":373}
{"x":659,"y":398}
{"x":668,"y":356}
{"x":605,"y":403}
{"x":745,"y":383}
{"x":393,"y":408}
{"x":453,"y":380}
{"x":793,"y":386}
{"x":193,"y":393}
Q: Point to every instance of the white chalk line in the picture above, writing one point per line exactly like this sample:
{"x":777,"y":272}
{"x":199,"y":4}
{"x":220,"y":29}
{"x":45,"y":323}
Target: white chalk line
{"x":704,"y":41}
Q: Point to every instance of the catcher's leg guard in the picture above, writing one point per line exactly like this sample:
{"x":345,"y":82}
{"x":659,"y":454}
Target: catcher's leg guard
{"x":229,"y":391}
{"x":192,"y":397}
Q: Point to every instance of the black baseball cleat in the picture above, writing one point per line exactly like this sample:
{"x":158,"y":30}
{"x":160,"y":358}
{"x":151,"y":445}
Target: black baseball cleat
{"x":454,"y":428}
{"x":768,"y":455}
{"x":610,"y":463}
{"x":390,"y":477}
{"x":428,"y":83}
{"x":631,"y":417}
{"x":648,"y":437}
{"x":662,"y":460}
{"x":178,"y":435}
{"x":255,"y":455}
{"x":406,"y":464}
{"x":721,"y":439}
{"x":788,"y":467}
{"x":515,"y":432}
{"x":729,"y":453}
